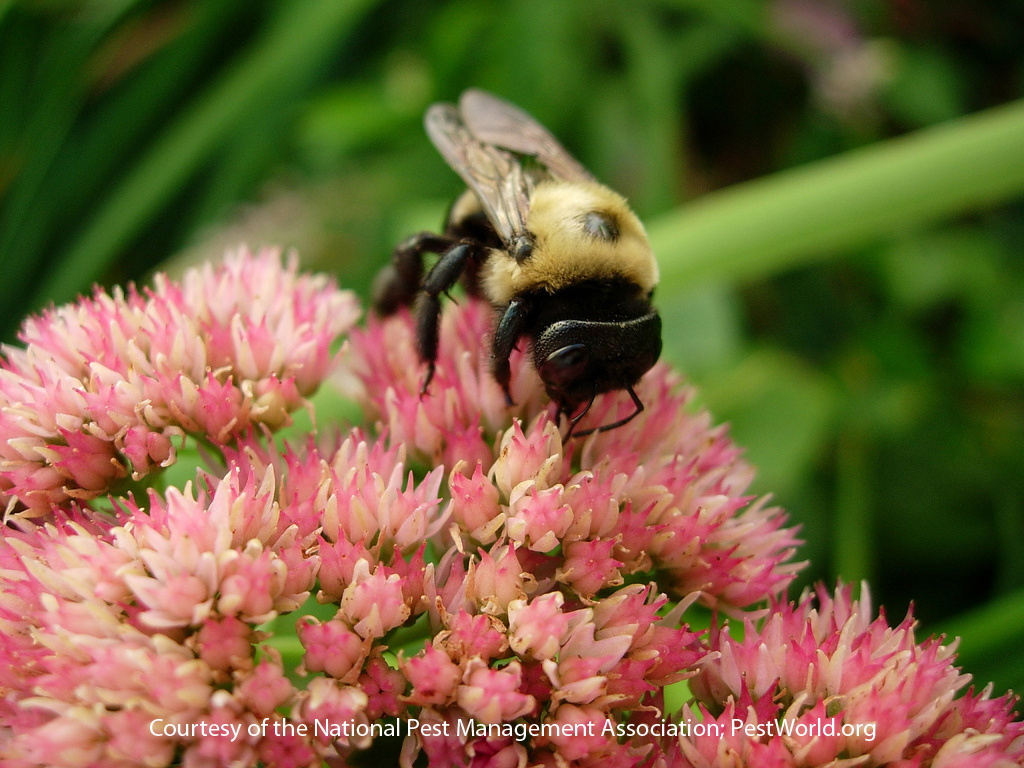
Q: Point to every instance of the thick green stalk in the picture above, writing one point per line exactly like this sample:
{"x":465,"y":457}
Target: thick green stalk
{"x":763,"y":226}
{"x":853,"y":553}
{"x":291,"y":51}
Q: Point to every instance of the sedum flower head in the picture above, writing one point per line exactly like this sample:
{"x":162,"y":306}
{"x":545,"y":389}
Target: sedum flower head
{"x":460,"y":582}
{"x":109,"y":386}
{"x":827,"y":660}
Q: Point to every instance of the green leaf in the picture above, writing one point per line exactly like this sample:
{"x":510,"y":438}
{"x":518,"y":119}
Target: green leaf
{"x":780,"y":409}
{"x":993,"y":346}
{"x":92,"y":154}
{"x":927,"y":86}
{"x":924,"y":269}
{"x":991,"y":637}
{"x":291,"y":51}
{"x":703,"y":329}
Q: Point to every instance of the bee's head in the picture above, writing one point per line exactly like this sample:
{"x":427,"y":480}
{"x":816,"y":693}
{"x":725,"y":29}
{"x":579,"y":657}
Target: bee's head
{"x":578,"y":359}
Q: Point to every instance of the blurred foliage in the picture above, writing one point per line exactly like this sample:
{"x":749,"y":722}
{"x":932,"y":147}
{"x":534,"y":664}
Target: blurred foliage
{"x":851,"y":301}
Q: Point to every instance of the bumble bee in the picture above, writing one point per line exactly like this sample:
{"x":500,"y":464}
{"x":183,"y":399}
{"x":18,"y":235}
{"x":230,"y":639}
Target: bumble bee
{"x":563,"y":259}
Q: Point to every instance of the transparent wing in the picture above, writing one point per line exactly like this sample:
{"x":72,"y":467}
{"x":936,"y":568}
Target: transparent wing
{"x":495,"y":121}
{"x":494,"y":175}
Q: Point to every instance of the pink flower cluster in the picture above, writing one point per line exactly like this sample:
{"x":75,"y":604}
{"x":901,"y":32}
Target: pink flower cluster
{"x":464,"y":585}
{"x":842,"y":686}
{"x":110,"y":628}
{"x":109,"y":386}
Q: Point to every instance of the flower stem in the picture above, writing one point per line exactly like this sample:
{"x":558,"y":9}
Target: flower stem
{"x":763,"y":226}
{"x":852,"y":553}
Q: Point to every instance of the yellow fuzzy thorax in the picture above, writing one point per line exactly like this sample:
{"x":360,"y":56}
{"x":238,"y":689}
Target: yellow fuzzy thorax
{"x":564,"y":253}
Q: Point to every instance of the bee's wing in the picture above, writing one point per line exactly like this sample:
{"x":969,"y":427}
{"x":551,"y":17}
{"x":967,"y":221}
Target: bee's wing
{"x":496,"y":121}
{"x":494,"y":175}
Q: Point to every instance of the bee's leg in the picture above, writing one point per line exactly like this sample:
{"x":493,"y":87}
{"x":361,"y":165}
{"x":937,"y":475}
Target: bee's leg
{"x":398,"y":283}
{"x":510,"y":328}
{"x":440,"y":279}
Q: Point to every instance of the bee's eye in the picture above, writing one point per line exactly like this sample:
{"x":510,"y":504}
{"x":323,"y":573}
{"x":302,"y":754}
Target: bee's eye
{"x":565,"y":365}
{"x":600,"y":225}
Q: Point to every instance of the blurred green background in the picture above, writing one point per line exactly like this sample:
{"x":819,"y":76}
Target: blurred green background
{"x":835,"y":191}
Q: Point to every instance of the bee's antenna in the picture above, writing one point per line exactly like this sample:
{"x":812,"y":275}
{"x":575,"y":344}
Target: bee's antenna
{"x":574,"y":420}
{"x":605,"y":428}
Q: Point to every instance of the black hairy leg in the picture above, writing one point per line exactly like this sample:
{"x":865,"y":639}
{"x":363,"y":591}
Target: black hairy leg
{"x":444,"y":274}
{"x":510,"y":327}
{"x":399,"y":283}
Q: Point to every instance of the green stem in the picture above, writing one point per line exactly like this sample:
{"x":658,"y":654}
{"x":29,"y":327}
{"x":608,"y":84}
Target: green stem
{"x":852,"y":550}
{"x":759,"y":227}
